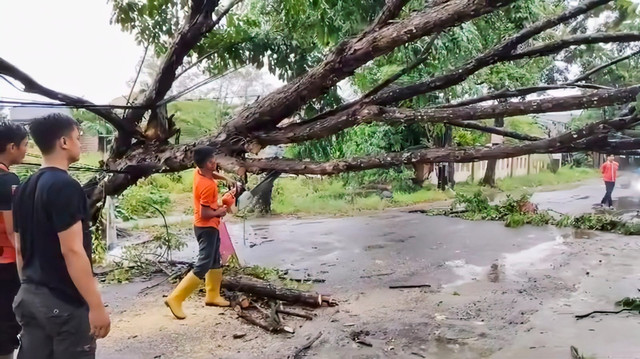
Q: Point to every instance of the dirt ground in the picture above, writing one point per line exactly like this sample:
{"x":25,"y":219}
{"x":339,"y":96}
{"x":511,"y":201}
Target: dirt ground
{"x":496,"y":292}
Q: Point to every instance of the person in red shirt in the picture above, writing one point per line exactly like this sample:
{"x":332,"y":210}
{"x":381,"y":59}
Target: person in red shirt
{"x":13,"y":148}
{"x":609,"y":172}
{"x":208,"y":212}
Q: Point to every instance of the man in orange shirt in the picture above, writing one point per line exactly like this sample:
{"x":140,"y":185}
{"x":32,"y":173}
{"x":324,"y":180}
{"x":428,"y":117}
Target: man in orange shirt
{"x":13,"y":147}
{"x":208,"y":213}
{"x":609,"y":172}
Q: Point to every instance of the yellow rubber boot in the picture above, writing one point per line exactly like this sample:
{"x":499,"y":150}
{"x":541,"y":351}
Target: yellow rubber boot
{"x":186,"y":286}
{"x":212,"y":281}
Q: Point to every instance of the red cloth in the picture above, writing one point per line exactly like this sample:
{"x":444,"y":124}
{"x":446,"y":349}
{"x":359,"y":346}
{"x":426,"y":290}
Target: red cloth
{"x":609,"y":171}
{"x":226,"y":246}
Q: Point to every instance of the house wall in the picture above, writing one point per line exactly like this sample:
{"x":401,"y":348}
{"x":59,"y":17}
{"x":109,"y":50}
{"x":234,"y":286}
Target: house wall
{"x":89,"y":143}
{"x":506,"y":167}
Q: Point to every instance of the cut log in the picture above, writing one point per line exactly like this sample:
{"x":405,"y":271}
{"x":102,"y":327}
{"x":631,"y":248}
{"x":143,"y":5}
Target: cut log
{"x":294,"y":314}
{"x":267,"y":290}
{"x":256,"y":322}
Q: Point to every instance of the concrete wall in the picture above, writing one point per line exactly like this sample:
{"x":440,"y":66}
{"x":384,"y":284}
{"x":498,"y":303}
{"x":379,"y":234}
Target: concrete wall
{"x":506,"y":167}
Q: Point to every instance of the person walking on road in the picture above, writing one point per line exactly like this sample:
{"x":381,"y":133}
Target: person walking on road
{"x":609,"y":171}
{"x":208,"y":212}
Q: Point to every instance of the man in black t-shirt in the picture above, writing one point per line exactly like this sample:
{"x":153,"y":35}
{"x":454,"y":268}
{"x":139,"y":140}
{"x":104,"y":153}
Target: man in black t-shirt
{"x":13,"y":148}
{"x":58,"y":305}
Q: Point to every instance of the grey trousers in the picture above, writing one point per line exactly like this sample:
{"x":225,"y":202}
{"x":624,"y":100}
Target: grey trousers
{"x":208,"y":250}
{"x":9,"y":327}
{"x":51,"y":328}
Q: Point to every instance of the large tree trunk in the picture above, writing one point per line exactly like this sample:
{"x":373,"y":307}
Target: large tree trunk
{"x":489,"y":178}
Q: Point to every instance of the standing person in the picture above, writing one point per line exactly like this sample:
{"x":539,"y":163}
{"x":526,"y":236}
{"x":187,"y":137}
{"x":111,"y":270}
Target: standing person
{"x":609,"y":172}
{"x":13,"y":148}
{"x":58,"y":305}
{"x":207,"y":216}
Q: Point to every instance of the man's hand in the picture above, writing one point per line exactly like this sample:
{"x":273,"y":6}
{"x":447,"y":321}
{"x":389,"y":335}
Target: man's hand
{"x":221,"y":212}
{"x":100,"y":322}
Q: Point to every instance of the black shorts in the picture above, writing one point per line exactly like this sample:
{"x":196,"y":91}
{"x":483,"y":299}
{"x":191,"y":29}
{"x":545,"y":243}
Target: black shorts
{"x":52,"y":328}
{"x":9,"y":327}
{"x":208,"y":250}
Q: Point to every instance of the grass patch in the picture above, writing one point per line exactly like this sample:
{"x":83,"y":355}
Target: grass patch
{"x":330,"y":196}
{"x":546,"y":178}
{"x":299,"y":195}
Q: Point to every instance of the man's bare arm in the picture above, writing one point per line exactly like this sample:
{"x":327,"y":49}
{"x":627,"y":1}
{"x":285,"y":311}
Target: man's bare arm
{"x":18,"y":254}
{"x":79,"y":268}
{"x":208,"y":212}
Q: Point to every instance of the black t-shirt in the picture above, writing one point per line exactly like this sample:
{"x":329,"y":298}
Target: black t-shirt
{"x":7,"y":181}
{"x":49,"y":202}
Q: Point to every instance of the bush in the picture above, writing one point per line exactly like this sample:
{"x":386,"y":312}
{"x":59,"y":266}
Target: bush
{"x":136,"y":202}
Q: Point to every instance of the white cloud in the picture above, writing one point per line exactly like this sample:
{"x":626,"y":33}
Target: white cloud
{"x":67,"y":45}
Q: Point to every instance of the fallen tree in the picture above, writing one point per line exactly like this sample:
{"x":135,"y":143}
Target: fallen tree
{"x":191,"y":36}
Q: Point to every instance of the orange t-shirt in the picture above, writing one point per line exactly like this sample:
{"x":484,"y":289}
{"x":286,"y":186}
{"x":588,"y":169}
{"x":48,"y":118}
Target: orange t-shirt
{"x":609,"y":171}
{"x":8,"y":182}
{"x":205,"y":193}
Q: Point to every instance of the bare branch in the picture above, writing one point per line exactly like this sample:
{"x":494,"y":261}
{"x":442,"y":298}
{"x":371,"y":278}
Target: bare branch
{"x":521,"y":92}
{"x":32,"y":86}
{"x":556,"y":46}
{"x":494,"y":130}
{"x":595,"y":70}
{"x":561,"y":143}
{"x":318,"y":129}
{"x":391,"y":10}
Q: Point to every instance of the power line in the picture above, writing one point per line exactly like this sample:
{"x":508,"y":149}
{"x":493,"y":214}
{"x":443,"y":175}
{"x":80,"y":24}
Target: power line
{"x":78,"y":168}
{"x":43,"y":104}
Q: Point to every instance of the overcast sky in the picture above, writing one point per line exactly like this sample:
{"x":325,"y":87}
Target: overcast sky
{"x":67,"y":45}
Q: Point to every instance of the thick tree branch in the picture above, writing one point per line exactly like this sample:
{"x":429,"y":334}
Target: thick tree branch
{"x":561,"y":143}
{"x":595,"y":70}
{"x":352,"y":54}
{"x":500,"y":53}
{"x":556,"y":46}
{"x":305,"y":131}
{"x":493,"y":130}
{"x":200,"y":23}
{"x":32,"y":86}
{"x":521,"y":92}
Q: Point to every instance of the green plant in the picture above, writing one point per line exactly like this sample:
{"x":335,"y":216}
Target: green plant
{"x":137,"y":201}
{"x":98,"y":244}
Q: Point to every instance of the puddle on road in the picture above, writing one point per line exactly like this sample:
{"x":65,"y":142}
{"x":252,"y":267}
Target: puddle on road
{"x":511,"y":266}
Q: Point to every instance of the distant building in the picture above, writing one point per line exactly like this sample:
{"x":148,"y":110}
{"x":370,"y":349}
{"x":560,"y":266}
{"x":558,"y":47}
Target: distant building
{"x":25,"y":114}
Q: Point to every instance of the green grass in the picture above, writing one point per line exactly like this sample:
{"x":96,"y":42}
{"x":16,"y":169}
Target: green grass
{"x":564,"y":176}
{"x":198,"y":118}
{"x":316,"y":196}
{"x":329,"y":196}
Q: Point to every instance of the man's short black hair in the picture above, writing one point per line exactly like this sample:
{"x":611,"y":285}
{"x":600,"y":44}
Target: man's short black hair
{"x":11,"y":133}
{"x":47,"y":130}
{"x":202,"y":155}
